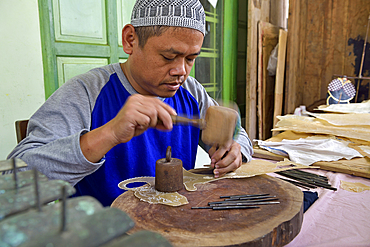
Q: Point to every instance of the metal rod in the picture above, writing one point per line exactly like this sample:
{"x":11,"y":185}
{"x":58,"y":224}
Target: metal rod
{"x":306,"y":176}
{"x":37,"y":192}
{"x":300,"y":184}
{"x":242,"y":203}
{"x":15,"y":175}
{"x":301,"y":179}
{"x":201,"y":207}
{"x":248,"y":198}
{"x":305,"y":179}
{"x":226,"y":207}
{"x":64,"y":209}
{"x":311,"y":179}
{"x":248,"y":195}
{"x":309,"y":174}
{"x":233,"y":207}
{"x":261,"y":200}
{"x":312,"y":175}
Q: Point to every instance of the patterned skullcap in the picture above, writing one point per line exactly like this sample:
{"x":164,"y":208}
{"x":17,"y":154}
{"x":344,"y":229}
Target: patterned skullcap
{"x":174,"y":13}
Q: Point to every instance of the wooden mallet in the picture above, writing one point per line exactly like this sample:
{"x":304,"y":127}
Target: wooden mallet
{"x":219,"y":127}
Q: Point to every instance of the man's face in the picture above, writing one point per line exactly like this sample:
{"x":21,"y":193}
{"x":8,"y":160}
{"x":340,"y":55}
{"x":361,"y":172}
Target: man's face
{"x":163,"y":64}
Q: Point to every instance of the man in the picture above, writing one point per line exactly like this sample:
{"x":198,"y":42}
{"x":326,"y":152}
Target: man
{"x":101,"y":127}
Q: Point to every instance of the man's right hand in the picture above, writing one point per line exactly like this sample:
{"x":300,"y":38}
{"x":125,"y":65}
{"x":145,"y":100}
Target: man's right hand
{"x":137,"y":115}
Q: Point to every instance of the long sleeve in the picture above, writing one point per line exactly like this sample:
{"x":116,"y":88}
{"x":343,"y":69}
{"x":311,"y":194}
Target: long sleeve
{"x":52,"y":144}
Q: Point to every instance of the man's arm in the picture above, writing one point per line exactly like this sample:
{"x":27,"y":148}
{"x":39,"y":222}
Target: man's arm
{"x":60,"y":143}
{"x":53,"y":142}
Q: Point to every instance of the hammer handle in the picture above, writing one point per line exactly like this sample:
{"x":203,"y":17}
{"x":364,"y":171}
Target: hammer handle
{"x":199,"y":123}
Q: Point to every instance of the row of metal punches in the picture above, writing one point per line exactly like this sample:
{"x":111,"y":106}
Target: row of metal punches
{"x":306,"y":180}
{"x":241,"y":202}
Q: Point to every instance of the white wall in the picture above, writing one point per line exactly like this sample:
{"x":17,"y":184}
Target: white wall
{"x":21,"y":72}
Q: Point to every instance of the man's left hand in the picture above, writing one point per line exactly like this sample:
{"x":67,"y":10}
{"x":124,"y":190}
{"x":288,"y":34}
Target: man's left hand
{"x":225,"y":159}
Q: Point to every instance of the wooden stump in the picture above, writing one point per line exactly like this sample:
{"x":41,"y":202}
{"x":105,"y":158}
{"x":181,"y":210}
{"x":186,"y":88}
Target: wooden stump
{"x":269,"y":225}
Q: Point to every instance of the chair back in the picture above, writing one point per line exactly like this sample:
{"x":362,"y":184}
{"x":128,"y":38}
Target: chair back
{"x":21,"y":129}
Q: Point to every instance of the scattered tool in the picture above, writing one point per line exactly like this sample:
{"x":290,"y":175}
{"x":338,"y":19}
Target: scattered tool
{"x":306,"y":179}
{"x":241,"y":202}
{"x":238,"y":196}
{"x":37,"y":190}
{"x":225,"y":207}
{"x":246,"y":201}
{"x":15,"y":174}
{"x":248,"y":198}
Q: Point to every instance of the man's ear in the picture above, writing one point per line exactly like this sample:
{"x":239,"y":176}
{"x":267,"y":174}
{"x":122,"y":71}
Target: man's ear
{"x":129,"y":38}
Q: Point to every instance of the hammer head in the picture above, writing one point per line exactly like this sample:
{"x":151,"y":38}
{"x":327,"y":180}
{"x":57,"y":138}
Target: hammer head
{"x":220,"y":125}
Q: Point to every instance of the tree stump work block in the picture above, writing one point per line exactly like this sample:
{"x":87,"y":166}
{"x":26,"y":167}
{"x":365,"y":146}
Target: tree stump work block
{"x":269,"y":225}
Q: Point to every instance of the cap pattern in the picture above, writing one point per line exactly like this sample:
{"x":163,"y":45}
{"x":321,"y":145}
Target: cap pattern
{"x":175,"y":13}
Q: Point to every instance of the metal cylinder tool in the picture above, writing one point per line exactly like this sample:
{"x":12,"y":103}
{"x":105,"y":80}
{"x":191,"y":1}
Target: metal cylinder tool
{"x":168,"y":173}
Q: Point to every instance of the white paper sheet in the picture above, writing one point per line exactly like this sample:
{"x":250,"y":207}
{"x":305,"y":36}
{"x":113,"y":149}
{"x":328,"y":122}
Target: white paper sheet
{"x":307,"y":152}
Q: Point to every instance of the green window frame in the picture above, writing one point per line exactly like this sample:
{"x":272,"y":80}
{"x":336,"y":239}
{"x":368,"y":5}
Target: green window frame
{"x":217,"y":70}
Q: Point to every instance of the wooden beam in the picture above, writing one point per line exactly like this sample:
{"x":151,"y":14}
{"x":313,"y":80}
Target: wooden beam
{"x":257,"y":10}
{"x":280,"y":71}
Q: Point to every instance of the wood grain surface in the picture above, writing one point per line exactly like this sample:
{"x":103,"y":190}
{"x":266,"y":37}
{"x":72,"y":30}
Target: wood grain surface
{"x":268,"y":39}
{"x":325,"y":38}
{"x":257,"y":11}
{"x":280,"y":75}
{"x":269,"y":225}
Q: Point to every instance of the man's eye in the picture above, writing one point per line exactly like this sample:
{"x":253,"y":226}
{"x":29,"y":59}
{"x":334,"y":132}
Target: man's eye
{"x":167,"y":58}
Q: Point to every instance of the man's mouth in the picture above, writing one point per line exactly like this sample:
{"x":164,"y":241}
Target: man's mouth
{"x":173,"y":86}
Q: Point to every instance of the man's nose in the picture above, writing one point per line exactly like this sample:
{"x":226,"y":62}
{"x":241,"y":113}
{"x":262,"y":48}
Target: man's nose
{"x":179,"y":68}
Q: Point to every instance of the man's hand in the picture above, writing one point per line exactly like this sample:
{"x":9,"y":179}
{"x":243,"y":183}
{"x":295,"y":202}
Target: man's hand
{"x":225,"y":159}
{"x":137,"y":115}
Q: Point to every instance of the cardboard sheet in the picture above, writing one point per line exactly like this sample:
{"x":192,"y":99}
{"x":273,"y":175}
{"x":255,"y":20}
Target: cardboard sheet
{"x":354,"y":187}
{"x":318,"y":126}
{"x":352,"y":119}
{"x":363,"y":107}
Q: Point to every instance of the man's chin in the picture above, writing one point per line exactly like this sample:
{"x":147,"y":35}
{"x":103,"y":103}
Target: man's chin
{"x":167,"y":94}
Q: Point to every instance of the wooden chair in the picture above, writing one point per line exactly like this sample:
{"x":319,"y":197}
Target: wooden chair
{"x":21,"y":129}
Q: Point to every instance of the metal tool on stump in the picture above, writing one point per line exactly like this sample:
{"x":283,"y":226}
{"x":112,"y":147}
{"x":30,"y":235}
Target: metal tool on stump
{"x":168,"y":173}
